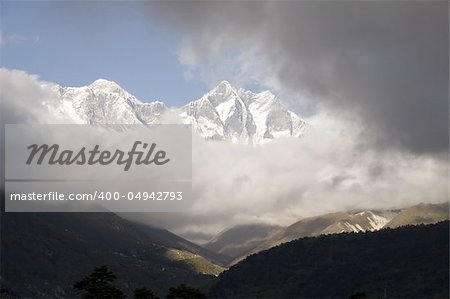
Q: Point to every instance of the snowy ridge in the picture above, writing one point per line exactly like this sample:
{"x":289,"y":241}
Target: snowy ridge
{"x":359,"y":222}
{"x":224,"y":113}
{"x":105,"y":102}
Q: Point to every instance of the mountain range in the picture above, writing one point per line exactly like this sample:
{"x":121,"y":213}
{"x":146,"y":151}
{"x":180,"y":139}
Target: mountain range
{"x":241,"y":241}
{"x":224,"y":113}
{"x":63,"y":247}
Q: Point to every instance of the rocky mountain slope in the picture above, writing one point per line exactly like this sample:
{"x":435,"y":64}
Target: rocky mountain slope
{"x":420,"y":214}
{"x":240,"y":239}
{"x":234,"y":241}
{"x":332,"y":223}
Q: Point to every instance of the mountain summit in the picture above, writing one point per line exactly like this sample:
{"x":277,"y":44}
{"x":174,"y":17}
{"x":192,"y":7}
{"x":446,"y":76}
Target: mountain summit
{"x":224,"y":113}
{"x":241,"y":116}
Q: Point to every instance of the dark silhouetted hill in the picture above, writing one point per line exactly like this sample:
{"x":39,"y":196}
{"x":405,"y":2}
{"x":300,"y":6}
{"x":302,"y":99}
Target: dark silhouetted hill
{"x":406,"y":262}
{"x":43,"y":254}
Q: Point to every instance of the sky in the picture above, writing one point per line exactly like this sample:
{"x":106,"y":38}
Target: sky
{"x":384,"y":62}
{"x":75,"y":43}
{"x":373,"y":77}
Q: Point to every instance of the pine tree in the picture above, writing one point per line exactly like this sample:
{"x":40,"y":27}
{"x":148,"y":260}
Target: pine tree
{"x":143,"y":293}
{"x":98,"y":284}
{"x":185,"y":292}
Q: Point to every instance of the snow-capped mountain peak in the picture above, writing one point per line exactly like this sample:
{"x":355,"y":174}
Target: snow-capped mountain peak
{"x":224,"y":113}
{"x":223,"y":86}
{"x":358,"y":222}
{"x":102,"y":83}
{"x":107,"y":86}
{"x":223,"y":92}
{"x":241,"y":116}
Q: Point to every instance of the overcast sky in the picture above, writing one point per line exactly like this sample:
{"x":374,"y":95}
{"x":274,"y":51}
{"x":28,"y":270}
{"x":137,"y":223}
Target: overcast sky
{"x":386,"y":61}
{"x":370,"y":76}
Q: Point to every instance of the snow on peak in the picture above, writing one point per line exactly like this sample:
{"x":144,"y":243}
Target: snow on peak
{"x":224,"y":113}
{"x":370,"y":220}
{"x":241,"y":116}
{"x":357,"y":222}
{"x":224,"y":84}
{"x":100,"y":81}
{"x":103,"y":84}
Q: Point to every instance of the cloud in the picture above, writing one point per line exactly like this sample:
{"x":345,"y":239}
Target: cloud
{"x":23,"y":97}
{"x":18,"y":39}
{"x":326,"y":171}
{"x":289,"y":179}
{"x":386,"y":62}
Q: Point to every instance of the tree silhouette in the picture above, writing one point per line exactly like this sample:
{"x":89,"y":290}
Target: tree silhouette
{"x":98,"y":284}
{"x":143,"y":293}
{"x":185,"y":292}
{"x":358,"y":295}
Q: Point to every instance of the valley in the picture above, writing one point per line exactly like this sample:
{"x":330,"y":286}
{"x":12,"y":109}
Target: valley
{"x":61,"y":247}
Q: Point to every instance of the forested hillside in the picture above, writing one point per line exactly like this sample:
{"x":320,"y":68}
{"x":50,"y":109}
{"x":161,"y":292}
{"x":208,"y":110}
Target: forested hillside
{"x":407,"y":262}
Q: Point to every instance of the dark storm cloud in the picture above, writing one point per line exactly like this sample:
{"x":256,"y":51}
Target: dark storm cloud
{"x":385,"y":61}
